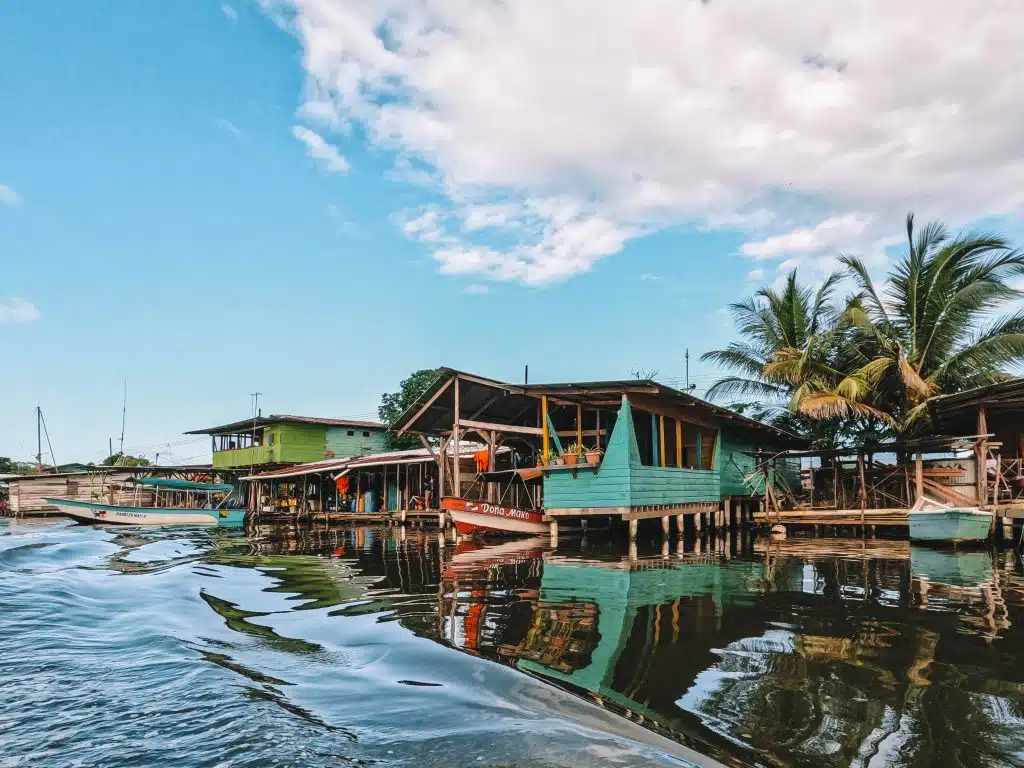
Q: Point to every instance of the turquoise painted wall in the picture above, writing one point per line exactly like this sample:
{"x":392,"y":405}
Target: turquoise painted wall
{"x":342,"y":444}
{"x":621,"y":480}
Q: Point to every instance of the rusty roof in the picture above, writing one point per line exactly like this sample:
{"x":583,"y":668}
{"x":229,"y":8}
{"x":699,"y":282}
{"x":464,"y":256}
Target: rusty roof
{"x":263,"y":421}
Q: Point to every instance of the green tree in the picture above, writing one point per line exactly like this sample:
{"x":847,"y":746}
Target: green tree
{"x":122,"y":460}
{"x":793,"y":344}
{"x":394,"y":404}
{"x":9,"y":466}
{"x":935,"y":327}
{"x":866,"y":369}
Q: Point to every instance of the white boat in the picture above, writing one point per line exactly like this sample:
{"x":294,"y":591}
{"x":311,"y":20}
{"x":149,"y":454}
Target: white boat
{"x":185,"y":503}
{"x":934,"y":521}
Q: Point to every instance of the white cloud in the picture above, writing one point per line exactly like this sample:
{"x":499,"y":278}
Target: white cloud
{"x":18,"y":311}
{"x":228,"y":127}
{"x":755,"y":275}
{"x":476,"y":289}
{"x":648,"y":276}
{"x":328,"y":155}
{"x":229,"y":11}
{"x":813,"y":127}
{"x":9,"y":197}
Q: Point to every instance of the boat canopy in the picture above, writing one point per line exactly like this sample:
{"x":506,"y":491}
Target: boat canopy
{"x":184,"y":485}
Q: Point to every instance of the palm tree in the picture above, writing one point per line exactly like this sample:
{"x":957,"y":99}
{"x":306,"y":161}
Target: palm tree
{"x":788,"y":352}
{"x":935,"y":328}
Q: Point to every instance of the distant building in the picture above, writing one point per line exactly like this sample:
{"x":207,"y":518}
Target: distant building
{"x":280,"y":440}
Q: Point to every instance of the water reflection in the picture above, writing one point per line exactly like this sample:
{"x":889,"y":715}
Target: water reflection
{"x":390,"y":644}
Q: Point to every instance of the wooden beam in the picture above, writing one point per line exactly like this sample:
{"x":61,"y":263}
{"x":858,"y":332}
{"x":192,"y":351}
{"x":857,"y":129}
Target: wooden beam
{"x":545,"y":437}
{"x":661,"y":440}
{"x":679,"y":444}
{"x":918,"y":476}
{"x":457,"y":436}
{"x":429,"y":403}
{"x":511,"y":428}
{"x":430,"y":449}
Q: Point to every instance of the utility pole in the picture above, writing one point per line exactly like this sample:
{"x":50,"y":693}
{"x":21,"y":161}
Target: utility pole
{"x":687,"y":367}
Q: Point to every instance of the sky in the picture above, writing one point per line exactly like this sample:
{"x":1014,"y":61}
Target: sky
{"x":313,"y":198}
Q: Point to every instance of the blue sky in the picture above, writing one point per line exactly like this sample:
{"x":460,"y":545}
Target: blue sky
{"x":162,"y":215}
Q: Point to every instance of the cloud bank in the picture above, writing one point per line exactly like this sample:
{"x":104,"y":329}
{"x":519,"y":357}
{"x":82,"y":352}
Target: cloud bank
{"x":556,"y":131}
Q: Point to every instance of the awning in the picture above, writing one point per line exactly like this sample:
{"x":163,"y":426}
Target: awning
{"x":183,"y":485}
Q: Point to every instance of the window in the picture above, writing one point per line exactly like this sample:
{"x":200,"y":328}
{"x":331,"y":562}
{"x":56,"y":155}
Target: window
{"x":366,"y":434}
{"x":351,"y":433}
{"x":270,"y":439}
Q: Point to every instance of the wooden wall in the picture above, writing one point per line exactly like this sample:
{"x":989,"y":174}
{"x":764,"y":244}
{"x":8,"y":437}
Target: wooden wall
{"x":28,"y":493}
{"x":362,"y":442}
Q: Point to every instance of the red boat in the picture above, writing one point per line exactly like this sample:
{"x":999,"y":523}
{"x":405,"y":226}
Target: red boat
{"x":480,"y":517}
{"x":472,"y":516}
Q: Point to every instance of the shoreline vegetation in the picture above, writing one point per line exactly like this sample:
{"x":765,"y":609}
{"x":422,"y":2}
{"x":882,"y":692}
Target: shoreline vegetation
{"x":862,"y":366}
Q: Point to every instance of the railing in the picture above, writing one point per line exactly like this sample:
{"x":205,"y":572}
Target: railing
{"x":240,"y":457}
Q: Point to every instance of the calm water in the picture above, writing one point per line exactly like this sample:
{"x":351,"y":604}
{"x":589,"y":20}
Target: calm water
{"x":369,"y":647}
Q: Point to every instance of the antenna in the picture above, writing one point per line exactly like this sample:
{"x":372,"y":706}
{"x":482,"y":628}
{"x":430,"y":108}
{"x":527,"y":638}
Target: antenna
{"x":124,"y":413}
{"x":689,"y":386}
{"x":255,"y":415}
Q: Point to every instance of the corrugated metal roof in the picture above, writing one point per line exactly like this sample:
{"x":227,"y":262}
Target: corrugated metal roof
{"x":262,"y":421}
{"x":415,"y":455}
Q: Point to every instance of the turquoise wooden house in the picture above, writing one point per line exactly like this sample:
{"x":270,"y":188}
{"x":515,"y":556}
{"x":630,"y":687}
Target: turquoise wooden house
{"x":281,"y":440}
{"x":656,"y":451}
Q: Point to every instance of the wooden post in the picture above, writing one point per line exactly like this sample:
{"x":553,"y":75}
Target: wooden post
{"x":442,"y":461}
{"x":679,"y":444}
{"x":981,"y":452}
{"x":654,"y":441}
{"x":632,"y":530}
{"x":554,"y":533}
{"x":597,"y":428}
{"x":456,"y":472}
{"x":697,"y":521}
{"x":579,"y":427}
{"x":665,"y":530}
{"x":492,"y":447}
{"x":661,"y":440}
{"x":680,"y":523}
{"x":545,"y":435}
{"x":918,"y":476}
{"x":863,"y":491}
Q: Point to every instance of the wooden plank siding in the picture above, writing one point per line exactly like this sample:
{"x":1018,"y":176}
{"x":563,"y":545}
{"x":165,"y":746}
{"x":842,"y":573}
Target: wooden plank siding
{"x":622,"y":480}
{"x":353,"y":441}
{"x":291,"y":443}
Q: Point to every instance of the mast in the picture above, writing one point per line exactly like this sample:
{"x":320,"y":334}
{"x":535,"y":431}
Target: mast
{"x":39,"y":438}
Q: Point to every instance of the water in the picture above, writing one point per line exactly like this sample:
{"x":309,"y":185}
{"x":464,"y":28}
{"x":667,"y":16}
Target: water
{"x":372,"y":647}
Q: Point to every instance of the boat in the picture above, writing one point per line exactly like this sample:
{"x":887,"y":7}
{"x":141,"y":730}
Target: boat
{"x":184,"y":503}
{"x":934,"y":521}
{"x":471,"y":516}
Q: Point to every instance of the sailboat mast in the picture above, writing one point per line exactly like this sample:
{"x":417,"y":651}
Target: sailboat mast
{"x":39,"y":437}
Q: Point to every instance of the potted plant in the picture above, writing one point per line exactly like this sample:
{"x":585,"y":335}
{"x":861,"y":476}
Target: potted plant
{"x":593,"y":455}
{"x":572,"y":455}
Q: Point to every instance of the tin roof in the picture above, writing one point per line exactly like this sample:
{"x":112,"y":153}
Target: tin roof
{"x":515,"y":404}
{"x":262,"y":421}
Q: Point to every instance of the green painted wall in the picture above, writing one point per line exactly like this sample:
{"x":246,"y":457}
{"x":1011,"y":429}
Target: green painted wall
{"x":342,"y":444}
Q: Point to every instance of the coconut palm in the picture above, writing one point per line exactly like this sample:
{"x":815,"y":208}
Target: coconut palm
{"x":934,"y":328}
{"x":791,"y":344}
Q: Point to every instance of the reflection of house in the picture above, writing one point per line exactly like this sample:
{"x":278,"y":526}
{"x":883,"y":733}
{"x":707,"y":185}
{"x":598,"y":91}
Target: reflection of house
{"x":278,"y":440}
{"x":665,"y":451}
